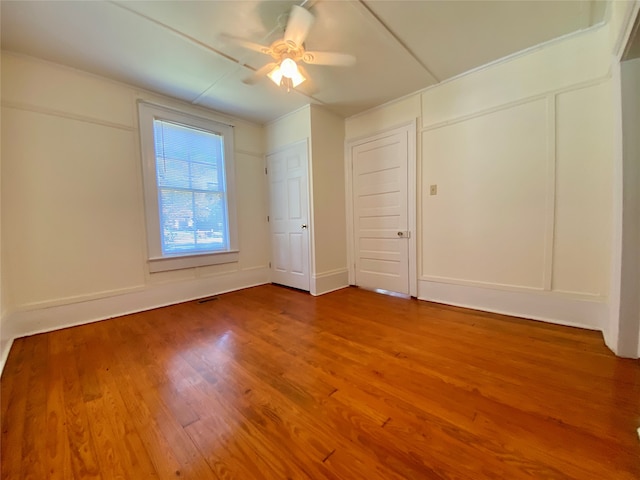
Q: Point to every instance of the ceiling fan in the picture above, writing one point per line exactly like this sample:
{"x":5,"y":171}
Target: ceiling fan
{"x":288,"y":52}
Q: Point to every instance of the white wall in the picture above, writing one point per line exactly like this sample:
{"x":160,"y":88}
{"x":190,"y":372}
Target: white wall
{"x":488,"y":222}
{"x":521,"y":151}
{"x":328,"y":205}
{"x":385,"y":117}
{"x":584,"y":164}
{"x":73,"y":230}
{"x":291,"y":128}
{"x":628,"y":340}
{"x":622,"y":322}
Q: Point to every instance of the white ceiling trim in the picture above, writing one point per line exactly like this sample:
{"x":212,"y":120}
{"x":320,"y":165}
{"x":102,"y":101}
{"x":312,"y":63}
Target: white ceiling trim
{"x":195,"y":41}
{"x":288,"y":114}
{"x":392,"y":35}
{"x":519,"y":54}
{"x":626,"y":35}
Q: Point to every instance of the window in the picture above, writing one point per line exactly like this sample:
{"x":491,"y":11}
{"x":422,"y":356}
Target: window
{"x":189,"y":185}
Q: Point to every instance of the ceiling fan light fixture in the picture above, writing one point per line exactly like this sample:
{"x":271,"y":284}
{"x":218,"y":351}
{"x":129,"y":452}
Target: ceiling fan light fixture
{"x":275,"y":75}
{"x":289,"y":68}
{"x":297,"y":79}
{"x":285,"y":75}
{"x":287,"y":51}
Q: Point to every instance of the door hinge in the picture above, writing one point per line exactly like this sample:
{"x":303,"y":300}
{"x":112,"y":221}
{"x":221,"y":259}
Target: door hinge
{"x":267,"y":218}
{"x":269,"y":264}
{"x":265,"y":171}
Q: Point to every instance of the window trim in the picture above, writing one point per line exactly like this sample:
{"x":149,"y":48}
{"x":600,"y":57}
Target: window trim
{"x":158,"y":262}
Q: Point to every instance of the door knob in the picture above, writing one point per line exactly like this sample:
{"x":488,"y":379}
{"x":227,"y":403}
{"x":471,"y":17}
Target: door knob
{"x":304,"y":226}
{"x":401,"y":234}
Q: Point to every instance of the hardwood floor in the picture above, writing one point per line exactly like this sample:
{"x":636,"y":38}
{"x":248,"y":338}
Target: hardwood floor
{"x":271,"y":383}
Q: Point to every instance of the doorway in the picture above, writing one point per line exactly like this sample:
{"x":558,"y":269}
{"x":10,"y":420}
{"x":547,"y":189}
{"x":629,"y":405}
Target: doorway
{"x":381,"y":179}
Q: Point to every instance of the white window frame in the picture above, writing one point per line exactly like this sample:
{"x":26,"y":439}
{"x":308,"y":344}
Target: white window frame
{"x":158,"y":261}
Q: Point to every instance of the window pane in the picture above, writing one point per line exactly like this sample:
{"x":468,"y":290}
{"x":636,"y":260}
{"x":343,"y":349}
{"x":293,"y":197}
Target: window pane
{"x":178,"y":233}
{"x":210,"y":221}
{"x":184,"y":143}
{"x":193,"y":221}
{"x":181,"y":174}
{"x":204,"y":177}
{"x":190,"y":159}
{"x":172,"y":173}
{"x":206,"y":148}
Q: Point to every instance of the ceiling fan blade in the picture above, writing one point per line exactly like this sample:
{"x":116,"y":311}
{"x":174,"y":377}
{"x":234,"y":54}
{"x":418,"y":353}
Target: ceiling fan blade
{"x":329,"y":58}
{"x":258,"y":74}
{"x":256,"y":47}
{"x":299,"y":24}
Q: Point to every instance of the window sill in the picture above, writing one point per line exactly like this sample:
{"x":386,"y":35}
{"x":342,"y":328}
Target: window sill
{"x":163,"y":264}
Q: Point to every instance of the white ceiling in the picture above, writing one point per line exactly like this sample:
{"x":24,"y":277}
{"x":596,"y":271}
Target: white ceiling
{"x":174,"y":47}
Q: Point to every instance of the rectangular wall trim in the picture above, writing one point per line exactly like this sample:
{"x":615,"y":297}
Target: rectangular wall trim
{"x":515,"y":103}
{"x":23,"y":323}
{"x":544,"y":306}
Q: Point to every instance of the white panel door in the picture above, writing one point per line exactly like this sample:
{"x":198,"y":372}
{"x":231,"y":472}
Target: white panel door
{"x":380,"y":213}
{"x":289,"y":206}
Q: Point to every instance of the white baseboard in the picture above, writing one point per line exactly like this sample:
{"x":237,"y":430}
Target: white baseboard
{"x":329,"y":281}
{"x":5,"y":347}
{"x":22,"y":323}
{"x":549,"y":307}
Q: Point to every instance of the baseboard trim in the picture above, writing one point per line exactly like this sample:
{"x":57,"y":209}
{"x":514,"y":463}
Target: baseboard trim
{"x":5,"y":348}
{"x":544,"y":306}
{"x":30,"y":322}
{"x":329,"y":281}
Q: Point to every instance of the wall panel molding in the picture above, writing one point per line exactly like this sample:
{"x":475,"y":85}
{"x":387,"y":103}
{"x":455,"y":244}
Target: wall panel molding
{"x":590,"y":314}
{"x":27,"y":322}
{"x":66,"y":115}
{"x":514,"y":103}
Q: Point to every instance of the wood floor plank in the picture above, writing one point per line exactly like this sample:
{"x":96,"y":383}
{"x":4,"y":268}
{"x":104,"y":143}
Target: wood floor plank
{"x":58,"y":453}
{"x":14,"y":403}
{"x":169,"y":446}
{"x":471,"y":378}
{"x":33,"y":441}
{"x":84,"y":460}
{"x":229,"y":412}
{"x":441,"y":361}
{"x":121,"y":451}
{"x":272,"y":383}
{"x":442,"y":396}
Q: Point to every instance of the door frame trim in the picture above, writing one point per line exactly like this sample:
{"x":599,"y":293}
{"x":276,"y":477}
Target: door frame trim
{"x":410,"y":129}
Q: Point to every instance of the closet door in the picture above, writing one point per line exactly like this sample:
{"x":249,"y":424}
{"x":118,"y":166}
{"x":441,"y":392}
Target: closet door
{"x":381,"y":228}
{"x":289,"y":215}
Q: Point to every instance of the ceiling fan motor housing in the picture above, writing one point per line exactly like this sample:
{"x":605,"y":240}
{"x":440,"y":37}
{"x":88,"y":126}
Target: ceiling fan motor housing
{"x":281,"y":49}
